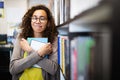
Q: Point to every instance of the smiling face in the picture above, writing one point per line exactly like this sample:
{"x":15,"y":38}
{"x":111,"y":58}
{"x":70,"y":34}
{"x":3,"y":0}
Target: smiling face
{"x":39,"y":21}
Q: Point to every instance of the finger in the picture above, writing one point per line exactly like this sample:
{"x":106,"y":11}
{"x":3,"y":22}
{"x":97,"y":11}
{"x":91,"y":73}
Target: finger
{"x":22,"y":39}
{"x":49,"y":43}
{"x":50,"y":46}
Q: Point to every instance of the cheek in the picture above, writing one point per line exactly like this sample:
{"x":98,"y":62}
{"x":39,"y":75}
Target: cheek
{"x":45,"y":25}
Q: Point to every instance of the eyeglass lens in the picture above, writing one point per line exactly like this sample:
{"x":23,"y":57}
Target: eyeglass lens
{"x":41,"y":19}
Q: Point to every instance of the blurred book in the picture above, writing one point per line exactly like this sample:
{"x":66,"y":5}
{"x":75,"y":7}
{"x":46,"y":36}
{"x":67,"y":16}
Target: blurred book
{"x":82,"y":56}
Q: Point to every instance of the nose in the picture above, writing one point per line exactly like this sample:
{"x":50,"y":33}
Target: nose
{"x":37,"y":20}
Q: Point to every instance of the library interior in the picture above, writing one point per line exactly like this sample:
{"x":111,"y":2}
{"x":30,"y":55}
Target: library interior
{"x":88,"y":38}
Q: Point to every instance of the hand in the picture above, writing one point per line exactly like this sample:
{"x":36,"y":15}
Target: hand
{"x":45,"y":49}
{"x":25,"y":45}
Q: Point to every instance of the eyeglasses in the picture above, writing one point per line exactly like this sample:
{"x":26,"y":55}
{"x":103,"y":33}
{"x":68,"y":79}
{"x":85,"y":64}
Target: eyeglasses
{"x":41,"y":19}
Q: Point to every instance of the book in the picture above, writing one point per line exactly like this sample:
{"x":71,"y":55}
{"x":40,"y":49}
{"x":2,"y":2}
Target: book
{"x":82,"y":67}
{"x":36,"y":43}
{"x":62,"y":52}
{"x":59,"y":49}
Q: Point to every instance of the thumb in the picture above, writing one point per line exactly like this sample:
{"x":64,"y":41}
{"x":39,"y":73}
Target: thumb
{"x":22,"y":39}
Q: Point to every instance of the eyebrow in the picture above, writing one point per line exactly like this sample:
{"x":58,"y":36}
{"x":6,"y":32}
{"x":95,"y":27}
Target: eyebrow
{"x":39,"y":16}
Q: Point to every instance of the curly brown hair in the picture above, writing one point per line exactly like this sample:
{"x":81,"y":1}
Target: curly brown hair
{"x":27,"y":31}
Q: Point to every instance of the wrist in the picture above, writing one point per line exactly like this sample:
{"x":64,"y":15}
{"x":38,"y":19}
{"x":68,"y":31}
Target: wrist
{"x":30,"y":49}
{"x":40,"y":53}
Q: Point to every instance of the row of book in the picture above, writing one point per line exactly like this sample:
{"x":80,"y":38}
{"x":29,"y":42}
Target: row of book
{"x":76,"y":57}
{"x":81,"y":57}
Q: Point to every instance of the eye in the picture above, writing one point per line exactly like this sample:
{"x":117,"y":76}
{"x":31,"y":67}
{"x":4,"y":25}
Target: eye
{"x":34,"y":18}
{"x":42,"y":18}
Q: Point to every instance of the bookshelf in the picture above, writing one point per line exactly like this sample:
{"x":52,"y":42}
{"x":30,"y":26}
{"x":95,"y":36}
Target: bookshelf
{"x":89,"y":37}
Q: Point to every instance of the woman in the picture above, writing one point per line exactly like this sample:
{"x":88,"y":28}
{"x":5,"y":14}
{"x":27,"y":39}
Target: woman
{"x":37,"y":22}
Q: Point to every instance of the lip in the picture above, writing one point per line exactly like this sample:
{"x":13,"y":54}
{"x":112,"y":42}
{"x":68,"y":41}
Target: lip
{"x":37,"y":25}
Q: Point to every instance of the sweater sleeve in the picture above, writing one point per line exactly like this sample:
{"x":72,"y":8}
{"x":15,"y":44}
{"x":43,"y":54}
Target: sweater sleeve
{"x":17,"y":63}
{"x":50,"y":65}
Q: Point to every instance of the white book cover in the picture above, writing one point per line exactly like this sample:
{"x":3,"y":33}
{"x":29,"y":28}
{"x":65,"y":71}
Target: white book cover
{"x":36,"y":44}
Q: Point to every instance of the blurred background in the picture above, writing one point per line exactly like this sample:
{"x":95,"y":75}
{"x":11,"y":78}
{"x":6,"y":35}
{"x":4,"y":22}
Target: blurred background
{"x":89,"y":36}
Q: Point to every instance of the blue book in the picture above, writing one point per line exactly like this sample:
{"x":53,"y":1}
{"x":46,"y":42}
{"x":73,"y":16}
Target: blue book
{"x":36,"y":43}
{"x":59,"y":50}
{"x":44,"y":40}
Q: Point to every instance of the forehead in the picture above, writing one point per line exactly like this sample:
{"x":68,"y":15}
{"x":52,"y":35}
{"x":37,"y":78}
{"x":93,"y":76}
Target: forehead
{"x":40,"y":13}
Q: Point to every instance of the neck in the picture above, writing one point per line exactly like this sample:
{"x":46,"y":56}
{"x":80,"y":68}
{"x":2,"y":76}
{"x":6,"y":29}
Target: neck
{"x":37,"y":35}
